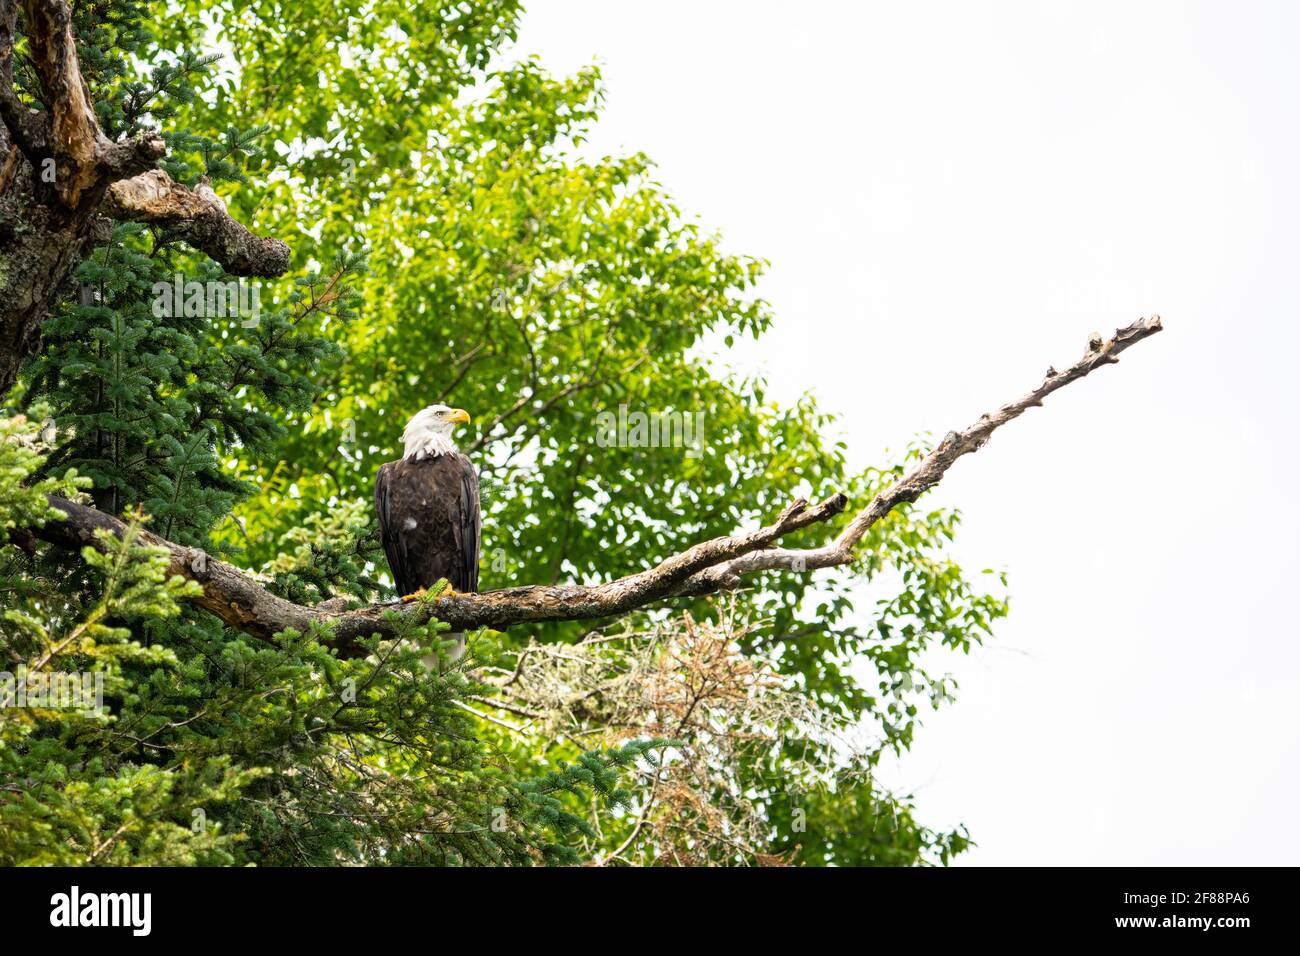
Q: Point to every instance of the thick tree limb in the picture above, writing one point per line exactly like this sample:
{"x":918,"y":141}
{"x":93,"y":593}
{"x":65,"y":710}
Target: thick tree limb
{"x":199,"y":217}
{"x":719,"y":564}
{"x":234,"y":596}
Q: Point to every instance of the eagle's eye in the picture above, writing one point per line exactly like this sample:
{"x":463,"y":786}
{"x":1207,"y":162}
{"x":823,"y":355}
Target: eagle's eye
{"x":454,"y":416}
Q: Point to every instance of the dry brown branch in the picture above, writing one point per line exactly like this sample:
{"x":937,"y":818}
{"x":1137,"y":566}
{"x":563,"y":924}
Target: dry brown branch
{"x":691,"y":682}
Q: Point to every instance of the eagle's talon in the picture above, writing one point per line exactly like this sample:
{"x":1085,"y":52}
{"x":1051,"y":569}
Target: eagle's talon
{"x":418,"y":595}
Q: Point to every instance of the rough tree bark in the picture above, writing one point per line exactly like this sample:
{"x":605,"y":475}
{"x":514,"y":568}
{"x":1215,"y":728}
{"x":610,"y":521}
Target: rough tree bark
{"x":62,"y":182}
{"x":719,"y":564}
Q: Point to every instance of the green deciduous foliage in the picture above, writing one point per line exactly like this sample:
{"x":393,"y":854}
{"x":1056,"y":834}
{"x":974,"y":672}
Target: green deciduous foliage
{"x":453,"y":243}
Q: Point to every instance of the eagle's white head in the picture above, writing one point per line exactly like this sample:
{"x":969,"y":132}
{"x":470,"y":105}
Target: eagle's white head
{"x":428,"y":433}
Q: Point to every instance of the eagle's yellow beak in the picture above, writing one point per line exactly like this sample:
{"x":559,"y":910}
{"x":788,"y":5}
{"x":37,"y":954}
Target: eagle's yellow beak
{"x":458,"y":415}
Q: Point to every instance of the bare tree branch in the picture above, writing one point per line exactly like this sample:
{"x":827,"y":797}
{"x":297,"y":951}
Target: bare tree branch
{"x":718,"y":564}
{"x":199,"y":217}
{"x":928,"y":473}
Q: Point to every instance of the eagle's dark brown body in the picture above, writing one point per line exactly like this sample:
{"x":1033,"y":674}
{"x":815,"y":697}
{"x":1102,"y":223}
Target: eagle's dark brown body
{"x":429,"y":521}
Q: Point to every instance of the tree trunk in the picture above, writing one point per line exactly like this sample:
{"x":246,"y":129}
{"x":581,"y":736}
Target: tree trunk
{"x":62,"y":182}
{"x":39,"y":248}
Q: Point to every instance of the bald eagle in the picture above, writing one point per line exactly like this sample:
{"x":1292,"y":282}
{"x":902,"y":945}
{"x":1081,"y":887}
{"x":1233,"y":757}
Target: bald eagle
{"x":428,"y":505}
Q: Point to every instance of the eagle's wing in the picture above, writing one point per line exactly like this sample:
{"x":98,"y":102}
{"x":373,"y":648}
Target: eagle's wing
{"x":470,"y":527}
{"x":429,"y":522}
{"x":390,"y":534}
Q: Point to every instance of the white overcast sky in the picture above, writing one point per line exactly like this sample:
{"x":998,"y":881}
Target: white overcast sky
{"x":952,"y":196}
